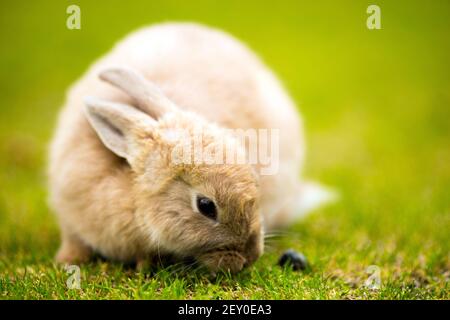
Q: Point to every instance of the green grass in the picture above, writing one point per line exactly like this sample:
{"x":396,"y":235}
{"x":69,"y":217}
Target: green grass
{"x":376,"y":106}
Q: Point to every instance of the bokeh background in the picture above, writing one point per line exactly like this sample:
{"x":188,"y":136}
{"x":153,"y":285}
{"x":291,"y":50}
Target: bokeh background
{"x":376,"y":107}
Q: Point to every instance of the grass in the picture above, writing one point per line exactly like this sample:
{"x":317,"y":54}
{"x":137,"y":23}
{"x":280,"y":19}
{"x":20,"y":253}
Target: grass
{"x":376,"y":105}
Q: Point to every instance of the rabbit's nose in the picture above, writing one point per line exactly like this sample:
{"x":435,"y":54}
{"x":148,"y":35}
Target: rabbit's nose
{"x":237,"y":264}
{"x":228,"y":261}
{"x":232,"y":262}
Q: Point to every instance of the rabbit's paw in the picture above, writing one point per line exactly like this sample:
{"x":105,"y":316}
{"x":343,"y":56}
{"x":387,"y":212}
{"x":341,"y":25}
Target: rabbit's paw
{"x":73,"y":251}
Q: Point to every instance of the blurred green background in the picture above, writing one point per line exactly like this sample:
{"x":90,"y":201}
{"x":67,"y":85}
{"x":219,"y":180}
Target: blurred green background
{"x":376,"y":106}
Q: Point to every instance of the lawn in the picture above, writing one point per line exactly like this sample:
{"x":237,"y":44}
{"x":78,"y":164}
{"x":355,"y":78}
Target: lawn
{"x":376,"y":106}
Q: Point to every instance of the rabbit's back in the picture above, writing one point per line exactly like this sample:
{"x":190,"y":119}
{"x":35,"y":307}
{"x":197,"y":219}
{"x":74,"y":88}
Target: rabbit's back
{"x":207,"y":71}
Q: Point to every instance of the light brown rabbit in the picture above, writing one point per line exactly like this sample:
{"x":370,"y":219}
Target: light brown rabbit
{"x":114,"y":183}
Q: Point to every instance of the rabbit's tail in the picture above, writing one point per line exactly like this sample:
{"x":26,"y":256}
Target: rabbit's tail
{"x":306,"y":197}
{"x":311,"y":196}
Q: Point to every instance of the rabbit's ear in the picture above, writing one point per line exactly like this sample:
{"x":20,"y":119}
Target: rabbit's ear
{"x":120,"y":127}
{"x":146,"y":95}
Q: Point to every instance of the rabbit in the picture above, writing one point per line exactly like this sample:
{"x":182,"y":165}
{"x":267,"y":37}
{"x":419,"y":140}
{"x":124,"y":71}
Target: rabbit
{"x":113,"y":184}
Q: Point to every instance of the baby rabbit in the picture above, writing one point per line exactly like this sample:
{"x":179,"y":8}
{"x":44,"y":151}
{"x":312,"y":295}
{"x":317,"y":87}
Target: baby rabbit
{"x":114,"y":184}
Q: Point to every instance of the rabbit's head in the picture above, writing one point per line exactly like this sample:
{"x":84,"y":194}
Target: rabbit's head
{"x":186,"y":205}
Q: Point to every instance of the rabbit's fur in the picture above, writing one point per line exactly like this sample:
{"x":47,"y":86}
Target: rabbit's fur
{"x":112,"y":182}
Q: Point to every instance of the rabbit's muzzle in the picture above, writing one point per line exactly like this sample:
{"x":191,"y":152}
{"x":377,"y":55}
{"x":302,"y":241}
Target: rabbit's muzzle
{"x":231,"y":261}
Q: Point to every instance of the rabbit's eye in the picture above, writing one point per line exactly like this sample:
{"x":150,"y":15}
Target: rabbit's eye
{"x":206,"y":207}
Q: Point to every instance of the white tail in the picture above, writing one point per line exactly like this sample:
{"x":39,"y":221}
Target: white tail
{"x":313,"y":195}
